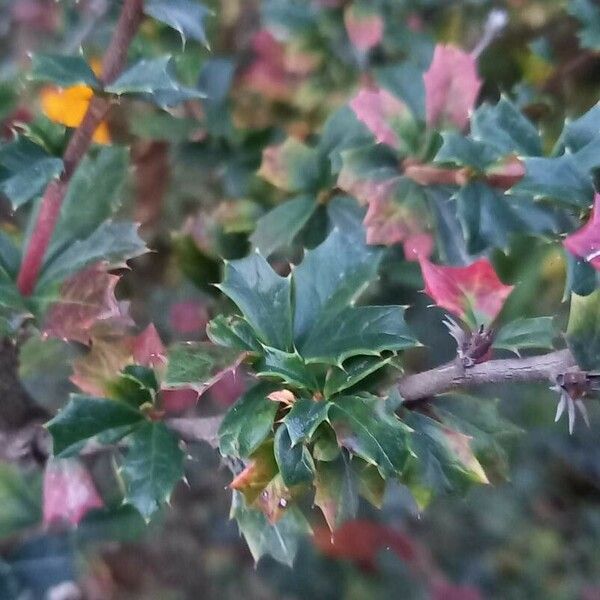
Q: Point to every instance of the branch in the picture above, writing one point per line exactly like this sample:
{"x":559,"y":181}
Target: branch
{"x":112,"y":65}
{"x":512,"y":370}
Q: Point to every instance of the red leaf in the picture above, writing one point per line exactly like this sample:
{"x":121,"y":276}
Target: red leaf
{"x":148,"y":349}
{"x":585,"y":242}
{"x":365,"y":190}
{"x":378,"y":109}
{"x":364,"y":27}
{"x":474,"y":290}
{"x":178,"y":401}
{"x":88,"y":307}
{"x":229,"y":388}
{"x":69,"y":492}
{"x":451,"y":87}
{"x":418,"y":245}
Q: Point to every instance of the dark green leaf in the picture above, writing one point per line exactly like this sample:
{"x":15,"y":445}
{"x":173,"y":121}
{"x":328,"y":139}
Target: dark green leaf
{"x":303,"y":419}
{"x":155,"y":80}
{"x":588,"y":13}
{"x":29,"y":182}
{"x":295,"y":462}
{"x":20,"y":499}
{"x":248,"y":422}
{"x":263,"y":297}
{"x":233,"y":332}
{"x":278,"y":228}
{"x":526,"y":333}
{"x":365,"y":428}
{"x":151,"y":468}
{"x":465,"y":151}
{"x":64,"y":71}
{"x":84,"y":417}
{"x":279,"y":540}
{"x":185,"y":16}
{"x":288,"y":367}
{"x":352,"y":372}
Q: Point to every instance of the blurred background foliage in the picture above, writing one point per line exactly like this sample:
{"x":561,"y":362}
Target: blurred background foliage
{"x":280,"y":67}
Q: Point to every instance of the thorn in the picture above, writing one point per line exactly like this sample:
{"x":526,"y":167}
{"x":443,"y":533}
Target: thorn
{"x":571,"y":407}
{"x":583,"y":410}
{"x":560,"y":409}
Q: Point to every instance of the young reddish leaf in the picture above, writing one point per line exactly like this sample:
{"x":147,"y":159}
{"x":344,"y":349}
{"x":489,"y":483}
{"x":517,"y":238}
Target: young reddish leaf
{"x":257,"y":475}
{"x":88,"y":307}
{"x":229,"y":388}
{"x":290,"y":166}
{"x":148,"y":349}
{"x":363,"y":189}
{"x":467,"y":292}
{"x":451,"y":87}
{"x":585,"y":242}
{"x":418,"y":245}
{"x":364,"y":27}
{"x":178,"y":401}
{"x":69,"y":492}
{"x":189,"y":317}
{"x":378,"y":110}
{"x":507,"y":174}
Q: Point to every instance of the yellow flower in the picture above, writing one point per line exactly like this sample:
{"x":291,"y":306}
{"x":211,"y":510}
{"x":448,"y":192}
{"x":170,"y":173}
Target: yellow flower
{"x":68,"y":106}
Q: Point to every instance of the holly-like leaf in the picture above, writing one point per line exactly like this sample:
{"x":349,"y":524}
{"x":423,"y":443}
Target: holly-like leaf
{"x":148,"y":349}
{"x":114,"y":243}
{"x":85,"y":417}
{"x":69,"y":492}
{"x":465,"y":151}
{"x":588,"y":14}
{"x":504,"y":127}
{"x":329,"y":278}
{"x":451,"y":87}
{"x":258,"y":473}
{"x":368,"y":430}
{"x":155,"y":80}
{"x":20,"y":497}
{"x":25,"y":170}
{"x":198,"y":365}
{"x":537,"y":332}
{"x":352,"y":372}
{"x":473,"y":292}
{"x":292,"y":166}
{"x":289,"y":367}
{"x":363,"y":330}
{"x":263,"y":297}
{"x":87,"y":306}
{"x":295,"y":462}
{"x":585,"y":242}
{"x":364,"y":25}
{"x":583,"y":330}
{"x":248,"y":422}
{"x":304,"y":418}
{"x":62,"y":70}
{"x":383,"y":114}
{"x":278,"y":228}
{"x":151,"y":468}
{"x":93,"y":196}
{"x":233,"y":332}
{"x":279,"y":540}
{"x":185,"y":16}
{"x":336,"y":491}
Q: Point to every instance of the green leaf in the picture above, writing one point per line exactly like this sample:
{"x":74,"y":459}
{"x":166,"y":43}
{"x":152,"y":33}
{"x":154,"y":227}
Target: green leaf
{"x":185,"y":16}
{"x":557,"y":178}
{"x":84,"y":417}
{"x":198,"y":365}
{"x":363,"y":330}
{"x":263,"y":297}
{"x":233,"y":332}
{"x":30,"y":181}
{"x":582,"y":131}
{"x":64,"y":71}
{"x":537,"y":332}
{"x":151,"y":468}
{"x":93,"y":196}
{"x":588,"y":13}
{"x":111,"y":242}
{"x":155,"y":80}
{"x":465,"y":151}
{"x":329,"y":278}
{"x":295,"y":462}
{"x":248,"y":422}
{"x":278,"y":228}
{"x":136,"y":385}
{"x":583,"y":330}
{"x":366,"y":429}
{"x":20,"y":499}
{"x":336,"y":491}
{"x":352,"y":372}
{"x":279,"y":540}
{"x":288,"y":367}
{"x":505,"y":128}
{"x":304,"y":418}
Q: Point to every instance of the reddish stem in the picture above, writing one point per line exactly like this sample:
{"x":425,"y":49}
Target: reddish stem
{"x":112,"y":65}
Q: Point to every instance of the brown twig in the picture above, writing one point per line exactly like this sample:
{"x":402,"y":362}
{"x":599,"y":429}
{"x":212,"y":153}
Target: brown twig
{"x":112,"y":65}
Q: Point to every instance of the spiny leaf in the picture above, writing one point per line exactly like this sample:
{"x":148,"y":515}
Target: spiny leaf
{"x":62,"y":70}
{"x":152,"y":466}
{"x":185,"y":16}
{"x":295,"y":462}
{"x":287,"y":366}
{"x":585,"y":242}
{"x":304,"y":418}
{"x":583,"y":330}
{"x":526,"y":333}
{"x":352,"y":372}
